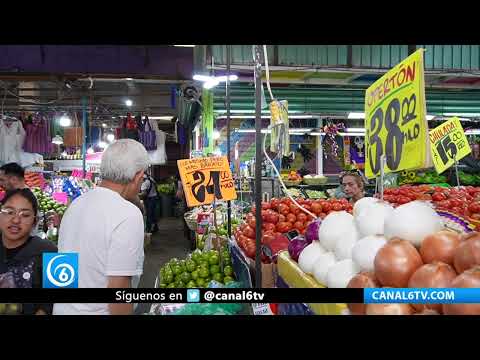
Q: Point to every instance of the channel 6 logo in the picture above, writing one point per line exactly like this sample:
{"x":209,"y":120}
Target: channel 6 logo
{"x":60,"y":270}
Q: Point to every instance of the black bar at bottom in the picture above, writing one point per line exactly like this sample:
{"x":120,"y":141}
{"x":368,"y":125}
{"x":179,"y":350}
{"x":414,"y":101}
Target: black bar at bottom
{"x":181,"y":295}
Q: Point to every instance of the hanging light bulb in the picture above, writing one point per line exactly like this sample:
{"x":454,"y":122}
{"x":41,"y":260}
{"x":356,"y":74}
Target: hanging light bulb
{"x":110,"y":137}
{"x":128,"y":102}
{"x":65,"y":121}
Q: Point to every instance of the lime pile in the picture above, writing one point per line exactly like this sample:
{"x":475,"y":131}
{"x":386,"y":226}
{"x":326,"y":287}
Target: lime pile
{"x":47,"y":203}
{"x":198,"y":270}
{"x":9,"y":309}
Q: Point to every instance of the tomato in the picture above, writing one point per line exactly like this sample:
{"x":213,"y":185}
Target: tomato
{"x":252,"y":223}
{"x":337,"y":207}
{"x":272,"y":217}
{"x":474,"y":207}
{"x":403,"y":199}
{"x":254,"y":209}
{"x":268,"y":226}
{"x":326,"y":207}
{"x":264,"y":215}
{"x":283,"y":208}
{"x":475,"y":216}
{"x":438,"y":196}
{"x":281,"y":218}
{"x":426,"y":197}
{"x":267,"y":238}
{"x":457,"y":210}
{"x":308,"y":208}
{"x":284,"y":227}
{"x":302,"y":217}
{"x":299,"y":225}
{"x":249,"y":232}
{"x":316,"y":208}
{"x":291,"y":218}
{"x":293,"y":208}
{"x":242,"y":241}
{"x":265,"y":206}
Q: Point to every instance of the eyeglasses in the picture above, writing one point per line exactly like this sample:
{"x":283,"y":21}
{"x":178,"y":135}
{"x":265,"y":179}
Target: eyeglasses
{"x":10,"y":213}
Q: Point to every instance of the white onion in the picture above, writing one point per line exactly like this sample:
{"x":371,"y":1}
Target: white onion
{"x":321,"y":266}
{"x":363,"y":204}
{"x":309,"y":255}
{"x":340,"y":274}
{"x":333,"y":227}
{"x":344,"y":246}
{"x":412,"y":222}
{"x":365,"y":250}
{"x":371,"y":220}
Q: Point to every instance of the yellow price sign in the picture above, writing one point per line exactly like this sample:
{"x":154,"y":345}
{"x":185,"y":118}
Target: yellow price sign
{"x":395,"y":119}
{"x":206,"y":179}
{"x":449,"y":144}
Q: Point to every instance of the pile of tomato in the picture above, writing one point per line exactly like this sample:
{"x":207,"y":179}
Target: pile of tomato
{"x":463,"y":201}
{"x":279,"y":216}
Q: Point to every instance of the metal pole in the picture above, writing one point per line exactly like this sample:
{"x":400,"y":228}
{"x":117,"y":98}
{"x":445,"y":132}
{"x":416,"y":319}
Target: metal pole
{"x":258,"y":164}
{"x":84,"y":128}
{"x":229,"y":203}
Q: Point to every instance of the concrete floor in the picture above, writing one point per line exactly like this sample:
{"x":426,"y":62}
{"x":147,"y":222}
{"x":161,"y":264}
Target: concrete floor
{"x":167,"y":243}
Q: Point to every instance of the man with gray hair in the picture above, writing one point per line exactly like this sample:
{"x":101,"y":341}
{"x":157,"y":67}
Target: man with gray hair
{"x":107,"y":230}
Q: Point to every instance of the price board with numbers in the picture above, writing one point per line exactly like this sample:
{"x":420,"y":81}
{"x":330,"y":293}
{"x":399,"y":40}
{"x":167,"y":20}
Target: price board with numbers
{"x":395,"y":119}
{"x":449,"y":144}
{"x":206,"y":179}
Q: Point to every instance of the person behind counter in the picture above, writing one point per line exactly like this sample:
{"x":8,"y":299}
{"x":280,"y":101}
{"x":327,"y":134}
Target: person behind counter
{"x":353,"y":185}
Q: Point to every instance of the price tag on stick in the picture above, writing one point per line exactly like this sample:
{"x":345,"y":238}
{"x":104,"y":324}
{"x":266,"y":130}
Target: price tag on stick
{"x":206,"y":179}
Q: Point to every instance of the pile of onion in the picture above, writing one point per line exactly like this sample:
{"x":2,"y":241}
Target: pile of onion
{"x":469,"y":279}
{"x":467,"y":254}
{"x":362,"y":280}
{"x":440,"y":246}
{"x":396,"y":262}
{"x":434,"y":275}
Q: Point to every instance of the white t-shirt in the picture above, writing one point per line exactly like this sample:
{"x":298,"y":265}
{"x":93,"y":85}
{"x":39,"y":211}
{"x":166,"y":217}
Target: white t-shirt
{"x":144,"y":187}
{"x":107,"y":232}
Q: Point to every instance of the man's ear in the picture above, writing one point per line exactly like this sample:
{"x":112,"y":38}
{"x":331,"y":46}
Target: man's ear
{"x":139,"y":176}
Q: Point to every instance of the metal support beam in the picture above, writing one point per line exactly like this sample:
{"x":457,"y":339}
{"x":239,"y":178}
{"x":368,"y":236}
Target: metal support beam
{"x":84,"y":128}
{"x":229,"y":204}
{"x":258,"y":163}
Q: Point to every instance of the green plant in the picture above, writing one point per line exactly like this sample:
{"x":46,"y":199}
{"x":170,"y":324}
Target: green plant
{"x":166,"y":189}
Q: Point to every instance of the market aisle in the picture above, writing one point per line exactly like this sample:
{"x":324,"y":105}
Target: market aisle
{"x":169,"y":242}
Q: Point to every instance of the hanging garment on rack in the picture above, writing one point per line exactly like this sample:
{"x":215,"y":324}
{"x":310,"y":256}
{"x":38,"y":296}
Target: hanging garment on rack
{"x":159,"y":156}
{"x":147,"y":136}
{"x":37,"y":139}
{"x":12,"y":136}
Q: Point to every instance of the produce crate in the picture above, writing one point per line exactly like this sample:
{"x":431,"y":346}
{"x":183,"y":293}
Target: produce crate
{"x":292,"y":182}
{"x":293,"y":276}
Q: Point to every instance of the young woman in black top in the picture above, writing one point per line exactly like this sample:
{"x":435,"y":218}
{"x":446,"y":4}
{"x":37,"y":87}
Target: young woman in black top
{"x":21,"y":253}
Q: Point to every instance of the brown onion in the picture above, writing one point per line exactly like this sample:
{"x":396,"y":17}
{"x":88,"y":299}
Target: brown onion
{"x":469,"y":279}
{"x":395,"y":263}
{"x":427,"y":312}
{"x":389,"y":309}
{"x":362,"y":280}
{"x":440,"y":246}
{"x":467,"y":254}
{"x":435,"y":275}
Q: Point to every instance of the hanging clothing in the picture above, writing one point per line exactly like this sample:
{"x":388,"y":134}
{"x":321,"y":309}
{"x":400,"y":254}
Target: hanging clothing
{"x":12,"y":137}
{"x":38,"y":139}
{"x":159,"y":156}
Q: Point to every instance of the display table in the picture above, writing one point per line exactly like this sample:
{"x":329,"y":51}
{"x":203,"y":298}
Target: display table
{"x":290,"y":275}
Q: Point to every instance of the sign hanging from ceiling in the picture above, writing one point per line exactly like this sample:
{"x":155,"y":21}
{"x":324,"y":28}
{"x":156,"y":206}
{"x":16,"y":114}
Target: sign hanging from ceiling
{"x":449,"y":144}
{"x":395,"y":119}
{"x":206,"y":179}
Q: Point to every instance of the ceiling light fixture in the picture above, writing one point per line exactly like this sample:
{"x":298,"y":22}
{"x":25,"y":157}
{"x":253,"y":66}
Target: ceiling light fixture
{"x":128,"y":102}
{"x":110,"y":137}
{"x":65,"y":121}
{"x":212,"y":81}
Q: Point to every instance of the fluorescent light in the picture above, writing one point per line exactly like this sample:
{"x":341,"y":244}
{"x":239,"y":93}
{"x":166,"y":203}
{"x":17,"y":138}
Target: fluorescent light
{"x":129,"y":79}
{"x":110,"y":137}
{"x":128,"y":102}
{"x":210,"y":84}
{"x":351,"y":134}
{"x":57,"y":140}
{"x":359,"y":130}
{"x":356,"y":115}
{"x":264,"y":117}
{"x":65,"y":121}
{"x":90,"y":151}
{"x":184,"y":45}
{"x":317,"y":133}
{"x":216,"y":134}
{"x":299,"y":131}
{"x":102,"y":144}
{"x":263,"y":131}
{"x":472,"y":132}
{"x":198,"y":77}
{"x":430,"y":117}
{"x":160,"y":117}
{"x":462,"y":114}
{"x":104,"y":125}
{"x":224,"y":78}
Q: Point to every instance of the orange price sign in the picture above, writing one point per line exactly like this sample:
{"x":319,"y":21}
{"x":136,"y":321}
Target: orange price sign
{"x":206,"y":179}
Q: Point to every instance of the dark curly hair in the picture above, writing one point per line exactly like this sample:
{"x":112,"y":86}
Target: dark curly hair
{"x":27,"y":194}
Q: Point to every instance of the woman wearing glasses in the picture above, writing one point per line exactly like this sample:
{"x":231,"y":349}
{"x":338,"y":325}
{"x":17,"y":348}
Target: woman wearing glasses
{"x":21,"y":253}
{"x":353,"y":185}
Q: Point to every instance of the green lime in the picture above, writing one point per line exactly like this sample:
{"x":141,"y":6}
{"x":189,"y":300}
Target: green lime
{"x":200,"y":282}
{"x":203,"y":272}
{"x":194,"y":275}
{"x":168,"y":278}
{"x":204,"y":264}
{"x":191,"y":284}
{"x":196,"y":256}
{"x":207,"y":280}
{"x":214,"y":269}
{"x":204,"y":257}
{"x":218,"y":277}
{"x":212,"y":253}
{"x":185,"y":277}
{"x":228,"y":270}
{"x":171,"y":285}
{"x":214,"y":259}
{"x":163,"y":285}
{"x":180,"y":284}
{"x":177,"y":270}
{"x":190,"y":265}
{"x":227,"y":280}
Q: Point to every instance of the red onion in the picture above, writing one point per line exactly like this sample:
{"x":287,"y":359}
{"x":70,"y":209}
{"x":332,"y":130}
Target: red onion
{"x":435,"y":275}
{"x":389,"y":309}
{"x":362,"y":280}
{"x":296,"y":246}
{"x":467,"y":254}
{"x":440,"y":246}
{"x":469,"y":279}
{"x":396,"y":262}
